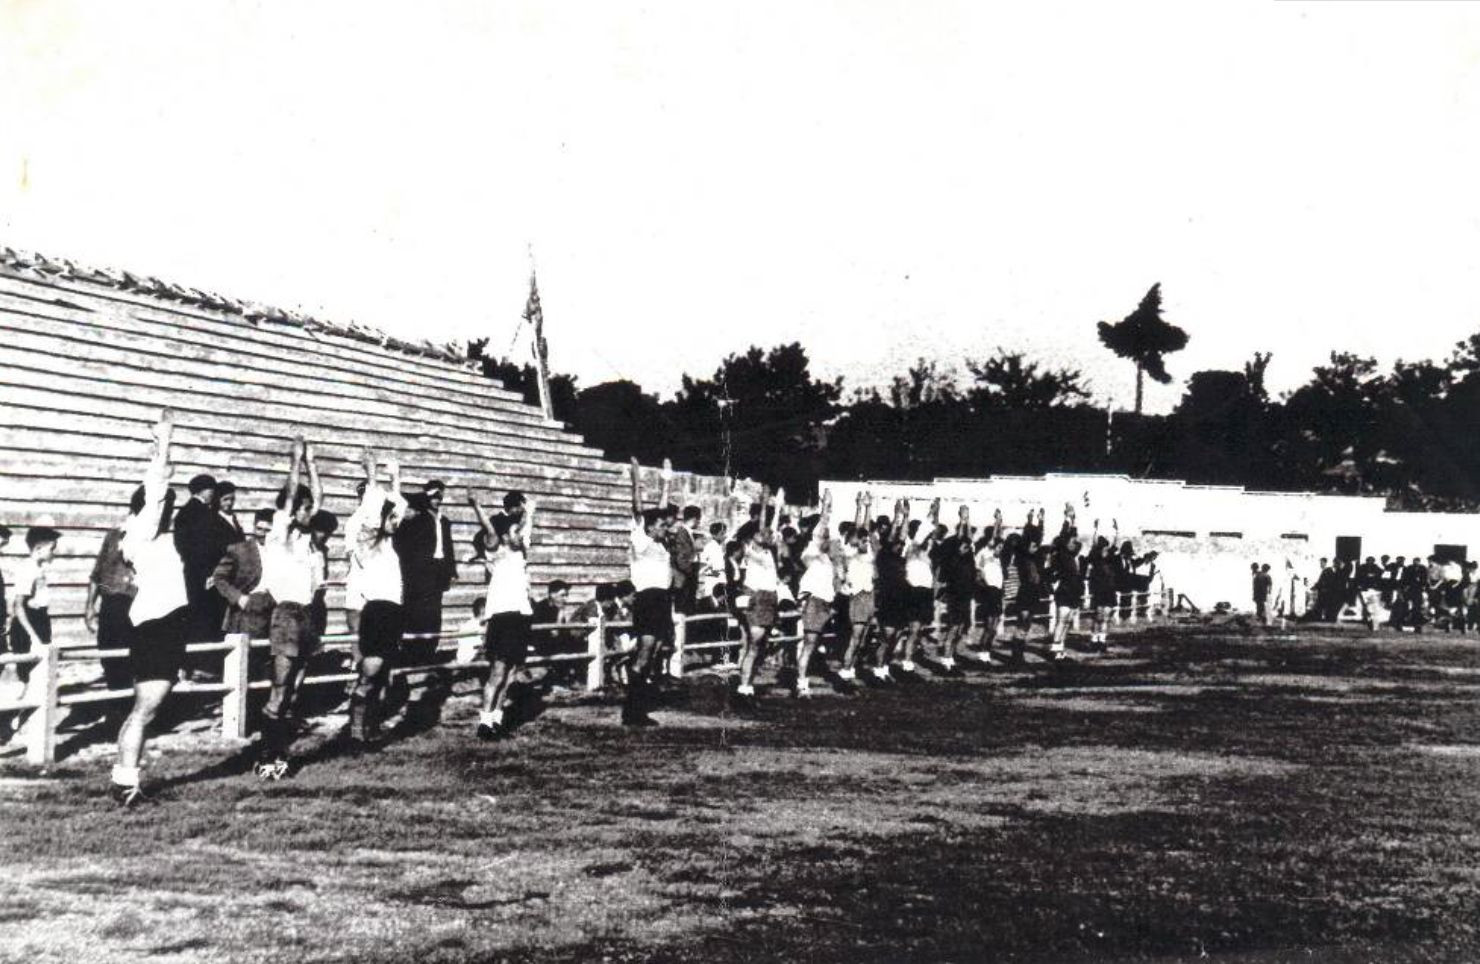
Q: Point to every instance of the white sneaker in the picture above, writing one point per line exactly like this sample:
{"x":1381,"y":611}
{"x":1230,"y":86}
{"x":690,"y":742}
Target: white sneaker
{"x":907,"y":665}
{"x":847,"y":674}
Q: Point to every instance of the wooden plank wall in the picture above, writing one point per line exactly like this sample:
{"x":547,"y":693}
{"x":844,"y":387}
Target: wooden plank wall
{"x":87,"y":363}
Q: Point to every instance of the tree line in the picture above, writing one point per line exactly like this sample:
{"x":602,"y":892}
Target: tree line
{"x":1354,"y":427}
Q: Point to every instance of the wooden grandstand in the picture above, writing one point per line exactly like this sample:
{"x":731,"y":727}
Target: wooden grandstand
{"x":88,"y":358}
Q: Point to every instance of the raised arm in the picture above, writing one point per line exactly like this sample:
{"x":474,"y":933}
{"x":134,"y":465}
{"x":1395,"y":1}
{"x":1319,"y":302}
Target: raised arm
{"x":667,"y":476}
{"x":483,"y":522}
{"x":145,"y":525}
{"x":963,"y":523}
{"x":860,"y":510}
{"x":315,"y":485}
{"x":398,"y":501}
{"x":526,"y":528}
{"x":295,"y":474}
{"x":636,"y":491}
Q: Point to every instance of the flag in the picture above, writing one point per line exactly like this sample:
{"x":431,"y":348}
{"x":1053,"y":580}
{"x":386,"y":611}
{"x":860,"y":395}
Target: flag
{"x":536,"y":317}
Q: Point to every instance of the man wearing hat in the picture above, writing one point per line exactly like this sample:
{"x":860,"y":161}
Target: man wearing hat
{"x":197,"y":540}
{"x":428,"y":568}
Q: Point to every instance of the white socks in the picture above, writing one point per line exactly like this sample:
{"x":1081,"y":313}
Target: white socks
{"x":126,"y":776}
{"x":949,"y":662}
{"x":745,"y":690}
{"x":804,"y":685}
{"x":907,"y":665}
{"x":491,"y":718}
{"x":882,"y":672}
{"x":848,"y":673}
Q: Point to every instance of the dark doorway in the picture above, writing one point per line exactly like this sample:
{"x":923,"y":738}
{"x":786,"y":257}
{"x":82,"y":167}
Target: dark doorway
{"x":1348,"y":548}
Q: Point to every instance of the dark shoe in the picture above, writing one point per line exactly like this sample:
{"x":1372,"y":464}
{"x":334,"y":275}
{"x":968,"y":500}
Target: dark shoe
{"x":843,"y":687}
{"x":638,"y":721}
{"x":487,"y":733}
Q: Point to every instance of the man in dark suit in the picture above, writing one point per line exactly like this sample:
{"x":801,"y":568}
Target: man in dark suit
{"x":428,"y":568}
{"x":685,"y":559}
{"x":236,"y":577}
{"x":198,"y":540}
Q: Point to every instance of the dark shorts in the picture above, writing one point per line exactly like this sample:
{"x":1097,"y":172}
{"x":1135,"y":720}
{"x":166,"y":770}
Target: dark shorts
{"x":1103,"y":597}
{"x":957,"y":609}
{"x":20,"y":640}
{"x":762,"y":612}
{"x":1029,"y":599}
{"x":919,"y":605}
{"x":291,"y":631}
{"x":652,"y":614}
{"x":816,"y":611}
{"x":157,"y":650}
{"x":988,"y":603}
{"x":507,"y":637}
{"x":381,"y":622}
{"x":892,"y":606}
{"x":1071,"y":598}
{"x":860,"y":607}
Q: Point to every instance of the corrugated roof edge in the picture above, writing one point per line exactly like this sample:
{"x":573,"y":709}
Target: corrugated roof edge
{"x":254,"y":312}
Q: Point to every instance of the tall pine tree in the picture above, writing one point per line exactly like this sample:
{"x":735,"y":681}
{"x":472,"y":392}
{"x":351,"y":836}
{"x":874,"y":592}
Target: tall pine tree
{"x":1144,"y":338}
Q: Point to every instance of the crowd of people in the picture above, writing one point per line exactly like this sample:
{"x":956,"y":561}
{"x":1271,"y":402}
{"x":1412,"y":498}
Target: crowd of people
{"x":167,"y":576}
{"x":1401,"y":592}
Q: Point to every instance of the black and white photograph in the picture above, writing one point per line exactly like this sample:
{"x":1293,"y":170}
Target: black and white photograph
{"x":707,"y":481}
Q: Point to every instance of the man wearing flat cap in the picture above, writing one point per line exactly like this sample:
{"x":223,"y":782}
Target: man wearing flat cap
{"x":198,"y":540}
{"x":428,"y":568}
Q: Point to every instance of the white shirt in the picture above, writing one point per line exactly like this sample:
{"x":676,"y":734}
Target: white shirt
{"x":30,"y":583}
{"x":858,"y":570}
{"x":760,"y":569}
{"x":158,"y":571}
{"x":651,"y":567}
{"x":711,"y":565}
{"x":508,"y":583}
{"x":291,"y":568}
{"x":818,"y":571}
{"x":917,"y":571}
{"x":374,"y":567}
{"x":436,"y":528}
{"x":989,"y":564}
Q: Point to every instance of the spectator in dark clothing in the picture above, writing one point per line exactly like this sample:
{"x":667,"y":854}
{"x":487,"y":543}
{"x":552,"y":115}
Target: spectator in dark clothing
{"x":428,"y":567}
{"x":1263,"y":583}
{"x":198,"y":539}
{"x":551,"y":609}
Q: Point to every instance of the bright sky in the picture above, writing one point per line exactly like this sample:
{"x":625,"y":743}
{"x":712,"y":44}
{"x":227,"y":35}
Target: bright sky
{"x":879,"y":180}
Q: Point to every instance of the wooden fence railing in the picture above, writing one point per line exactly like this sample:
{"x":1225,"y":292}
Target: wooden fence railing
{"x":602,"y":644}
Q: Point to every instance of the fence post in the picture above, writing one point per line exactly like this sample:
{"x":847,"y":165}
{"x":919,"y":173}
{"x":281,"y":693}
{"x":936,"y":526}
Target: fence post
{"x":41,"y":735}
{"x":235,"y":674}
{"x":1115,"y":614}
{"x":680,"y":642}
{"x":596,"y":646}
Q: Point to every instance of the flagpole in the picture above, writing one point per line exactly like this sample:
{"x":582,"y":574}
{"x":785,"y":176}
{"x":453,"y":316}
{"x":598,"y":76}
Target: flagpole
{"x":534,"y":314}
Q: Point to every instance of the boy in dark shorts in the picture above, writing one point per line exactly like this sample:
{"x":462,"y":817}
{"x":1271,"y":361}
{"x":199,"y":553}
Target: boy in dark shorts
{"x":371,"y":534}
{"x":30,"y":606}
{"x":160,"y":612}
{"x":919,"y":572}
{"x":652,"y":611}
{"x":817,"y":588}
{"x":507,"y":610}
{"x":958,"y":588}
{"x":891,"y":587}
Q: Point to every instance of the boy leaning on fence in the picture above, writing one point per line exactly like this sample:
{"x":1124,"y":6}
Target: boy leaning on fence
{"x":30,"y":613}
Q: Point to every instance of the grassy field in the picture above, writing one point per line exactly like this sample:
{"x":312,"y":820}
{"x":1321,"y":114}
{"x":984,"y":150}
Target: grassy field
{"x":1200,"y":792}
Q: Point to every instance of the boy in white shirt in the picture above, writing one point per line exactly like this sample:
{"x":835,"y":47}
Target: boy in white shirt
{"x":292,"y":570}
{"x":371,"y":531}
{"x":159,"y":613}
{"x":818,"y":588}
{"x":508,"y":610}
{"x":652,"y":608}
